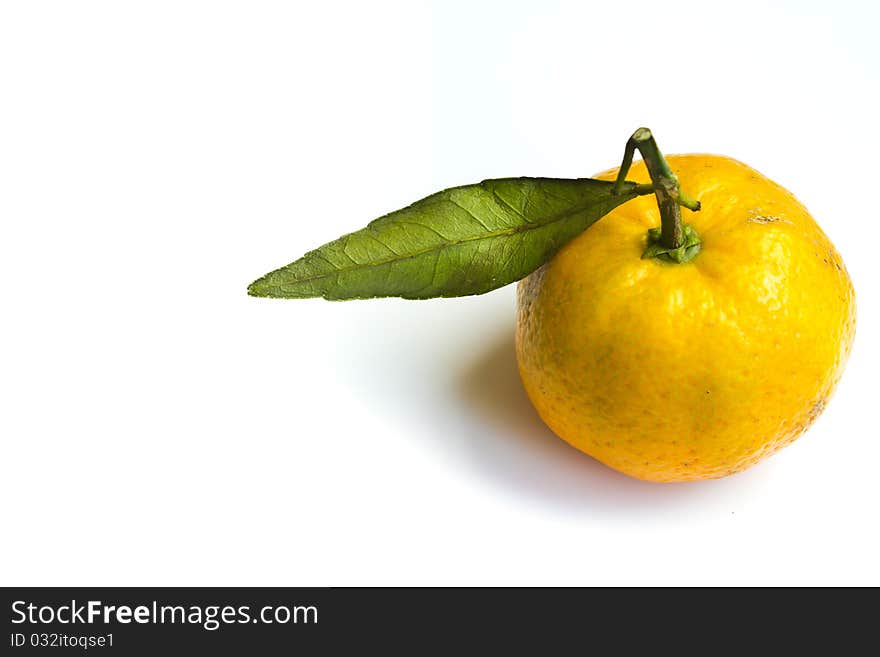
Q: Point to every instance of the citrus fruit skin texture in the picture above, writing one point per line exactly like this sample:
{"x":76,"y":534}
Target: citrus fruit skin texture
{"x":675,"y":372}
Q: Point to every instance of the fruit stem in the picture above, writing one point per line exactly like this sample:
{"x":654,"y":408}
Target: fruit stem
{"x":666,"y":188}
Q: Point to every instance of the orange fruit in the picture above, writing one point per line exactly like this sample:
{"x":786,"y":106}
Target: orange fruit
{"x":675,"y":372}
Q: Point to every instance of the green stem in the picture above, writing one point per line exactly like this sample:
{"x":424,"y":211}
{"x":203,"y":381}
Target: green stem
{"x":666,"y":188}
{"x":640,"y":189}
{"x":673,"y":241}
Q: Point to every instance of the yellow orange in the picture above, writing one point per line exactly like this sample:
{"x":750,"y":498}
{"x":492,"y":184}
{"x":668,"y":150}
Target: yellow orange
{"x":675,"y":372}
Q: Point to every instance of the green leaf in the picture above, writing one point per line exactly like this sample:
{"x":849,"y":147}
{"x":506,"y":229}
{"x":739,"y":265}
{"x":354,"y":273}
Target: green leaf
{"x":461,"y":241}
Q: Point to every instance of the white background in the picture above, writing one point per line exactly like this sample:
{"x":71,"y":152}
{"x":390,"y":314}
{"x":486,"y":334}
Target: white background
{"x":161,"y":427}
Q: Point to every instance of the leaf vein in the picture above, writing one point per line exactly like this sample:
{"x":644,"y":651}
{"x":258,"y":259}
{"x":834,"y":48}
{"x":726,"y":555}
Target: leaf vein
{"x":523,"y":228}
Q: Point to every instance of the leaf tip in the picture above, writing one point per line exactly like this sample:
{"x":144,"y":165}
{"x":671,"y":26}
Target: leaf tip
{"x":258,"y":288}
